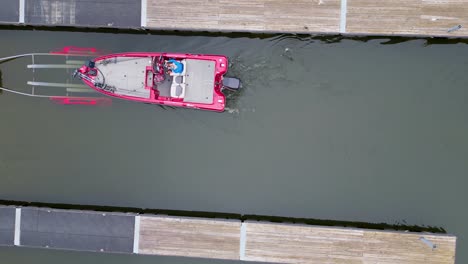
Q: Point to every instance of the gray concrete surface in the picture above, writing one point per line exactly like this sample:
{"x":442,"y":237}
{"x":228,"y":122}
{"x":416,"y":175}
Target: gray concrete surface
{"x":7,"y":225}
{"x":9,"y":11}
{"x":84,"y":230}
{"x":117,"y":13}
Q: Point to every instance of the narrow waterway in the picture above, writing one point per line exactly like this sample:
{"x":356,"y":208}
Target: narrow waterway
{"x":366,"y":130}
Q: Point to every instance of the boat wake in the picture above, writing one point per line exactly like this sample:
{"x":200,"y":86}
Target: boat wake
{"x":231,"y":110}
{"x":239,"y":110}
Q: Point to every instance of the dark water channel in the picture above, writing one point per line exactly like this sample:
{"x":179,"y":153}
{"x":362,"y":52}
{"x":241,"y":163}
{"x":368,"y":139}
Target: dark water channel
{"x":325,"y":128}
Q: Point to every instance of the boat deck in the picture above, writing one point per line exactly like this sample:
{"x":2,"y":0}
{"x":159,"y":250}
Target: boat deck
{"x":199,"y":81}
{"x":125,"y":74}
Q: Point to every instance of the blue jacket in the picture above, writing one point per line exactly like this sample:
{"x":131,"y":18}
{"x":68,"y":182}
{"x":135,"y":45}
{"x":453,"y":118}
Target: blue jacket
{"x":179,"y":67}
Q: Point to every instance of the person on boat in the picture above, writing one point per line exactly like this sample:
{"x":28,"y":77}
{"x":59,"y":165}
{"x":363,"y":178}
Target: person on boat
{"x":175,"y":66}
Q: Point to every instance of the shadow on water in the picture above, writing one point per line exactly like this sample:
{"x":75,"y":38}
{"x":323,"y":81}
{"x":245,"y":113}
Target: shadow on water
{"x":324,"y":38}
{"x":166,"y":107}
{"x":385,"y":40}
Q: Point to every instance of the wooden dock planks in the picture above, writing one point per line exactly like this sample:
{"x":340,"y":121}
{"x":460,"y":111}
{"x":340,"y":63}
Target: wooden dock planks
{"x":427,"y":18}
{"x":245,"y":15}
{"x":189,"y":237}
{"x":396,"y":247}
{"x":302,"y":16}
{"x":284,"y":243}
{"x":407,"y":17}
{"x":288,"y":243}
{"x":363,"y":17}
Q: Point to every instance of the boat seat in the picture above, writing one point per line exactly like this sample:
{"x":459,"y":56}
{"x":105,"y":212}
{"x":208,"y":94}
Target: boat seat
{"x":183,"y":70}
{"x":178,"y":87}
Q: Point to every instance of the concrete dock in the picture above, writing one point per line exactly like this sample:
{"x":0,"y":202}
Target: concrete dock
{"x":426,"y":18}
{"x":217,"y":238}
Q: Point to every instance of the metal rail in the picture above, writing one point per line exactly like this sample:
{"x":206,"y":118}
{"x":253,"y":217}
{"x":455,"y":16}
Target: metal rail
{"x":30,"y":94}
{"x":61,"y":85}
{"x":68,"y":87}
{"x":4,"y":59}
{"x":51,"y":66}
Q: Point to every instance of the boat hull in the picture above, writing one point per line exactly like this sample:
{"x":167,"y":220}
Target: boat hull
{"x":136,"y":79}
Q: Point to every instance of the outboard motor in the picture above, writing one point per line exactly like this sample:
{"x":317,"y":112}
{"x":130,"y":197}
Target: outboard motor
{"x":231,"y":83}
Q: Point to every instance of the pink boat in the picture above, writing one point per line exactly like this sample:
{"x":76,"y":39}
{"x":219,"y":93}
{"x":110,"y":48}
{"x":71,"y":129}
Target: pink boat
{"x":197,"y":82}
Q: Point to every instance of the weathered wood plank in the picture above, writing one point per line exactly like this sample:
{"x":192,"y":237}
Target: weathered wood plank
{"x":288,"y":243}
{"x":394,"y":247}
{"x":447,"y":18}
{"x":282,"y":243}
{"x":244,"y":15}
{"x":189,"y":237}
{"x":403,"y":17}
{"x":396,"y":17}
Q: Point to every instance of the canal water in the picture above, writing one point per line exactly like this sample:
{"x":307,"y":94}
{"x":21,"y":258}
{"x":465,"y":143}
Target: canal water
{"x":372,"y":130}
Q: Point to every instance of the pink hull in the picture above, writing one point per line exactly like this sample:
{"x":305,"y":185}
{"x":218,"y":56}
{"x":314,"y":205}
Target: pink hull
{"x":154,"y":97}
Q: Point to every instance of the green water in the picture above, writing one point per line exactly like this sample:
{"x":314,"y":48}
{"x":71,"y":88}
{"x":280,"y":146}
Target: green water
{"x":345,"y":130}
